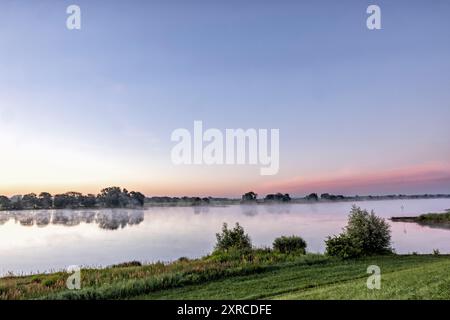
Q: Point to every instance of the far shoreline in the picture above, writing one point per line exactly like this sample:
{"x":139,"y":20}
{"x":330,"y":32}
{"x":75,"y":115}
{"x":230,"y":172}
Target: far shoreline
{"x":224,"y":202}
{"x":120,"y":198}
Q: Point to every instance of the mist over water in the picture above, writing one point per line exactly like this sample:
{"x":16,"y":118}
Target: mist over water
{"x":49,"y":240}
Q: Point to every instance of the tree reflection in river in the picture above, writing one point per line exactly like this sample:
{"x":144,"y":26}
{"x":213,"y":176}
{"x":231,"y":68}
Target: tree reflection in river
{"x":111,"y":219}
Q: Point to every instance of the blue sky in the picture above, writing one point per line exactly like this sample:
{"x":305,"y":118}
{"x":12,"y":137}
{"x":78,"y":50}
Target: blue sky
{"x":81,"y":109}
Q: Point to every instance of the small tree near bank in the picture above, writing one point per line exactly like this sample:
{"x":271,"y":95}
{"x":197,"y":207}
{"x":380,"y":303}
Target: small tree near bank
{"x":235,"y":238}
{"x":292,"y":244}
{"x":365,"y":235}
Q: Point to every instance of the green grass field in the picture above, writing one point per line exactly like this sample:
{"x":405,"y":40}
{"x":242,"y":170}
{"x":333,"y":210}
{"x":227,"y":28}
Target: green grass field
{"x":402,"y":277}
{"x":262,"y":276}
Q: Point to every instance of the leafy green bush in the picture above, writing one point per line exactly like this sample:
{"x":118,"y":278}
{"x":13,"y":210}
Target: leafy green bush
{"x":365,"y":235}
{"x":290,"y":244}
{"x":235,"y":238}
{"x":342,"y":246}
{"x":50,"y":281}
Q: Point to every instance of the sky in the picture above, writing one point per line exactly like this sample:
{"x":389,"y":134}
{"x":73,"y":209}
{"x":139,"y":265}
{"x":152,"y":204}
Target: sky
{"x":359,"y":111}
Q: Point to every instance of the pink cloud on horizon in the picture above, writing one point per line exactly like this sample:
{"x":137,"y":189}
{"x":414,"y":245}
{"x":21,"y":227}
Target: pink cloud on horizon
{"x":427,"y":178}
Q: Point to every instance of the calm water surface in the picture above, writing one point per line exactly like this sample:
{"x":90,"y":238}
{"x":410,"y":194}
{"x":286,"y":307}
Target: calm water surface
{"x":34,"y":241}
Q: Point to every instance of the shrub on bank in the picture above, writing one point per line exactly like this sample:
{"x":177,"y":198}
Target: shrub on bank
{"x":235,"y":238}
{"x":343,"y":246}
{"x":365,"y":235}
{"x":292,"y":244}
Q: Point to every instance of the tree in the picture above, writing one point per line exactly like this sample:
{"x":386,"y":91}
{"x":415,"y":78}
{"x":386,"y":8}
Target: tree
{"x":249,"y":196}
{"x":114,"y":197}
{"x":67,"y":200}
{"x":60,"y":201}
{"x":312,"y":197}
{"x":365,"y":235}
{"x":235,"y":238}
{"x":45,"y":200}
{"x":372,"y":232}
{"x":74,"y":199}
{"x":89,"y":201}
{"x":16,"y":202}
{"x":30,"y":201}
{"x":5,"y":203}
{"x":325,"y":196}
{"x":138,"y":198}
{"x":111,"y":197}
{"x":292,"y":244}
{"x":206,"y":200}
{"x":332,"y":197}
{"x":278,"y":197}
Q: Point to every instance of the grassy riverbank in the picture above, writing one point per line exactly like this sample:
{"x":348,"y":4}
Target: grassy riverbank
{"x":261,"y":274}
{"x":429,"y":219}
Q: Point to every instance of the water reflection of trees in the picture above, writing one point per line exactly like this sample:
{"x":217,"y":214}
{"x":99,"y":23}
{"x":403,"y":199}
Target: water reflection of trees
{"x":200,"y":209}
{"x":278,"y":208}
{"x":252,"y":210}
{"x":111,"y":219}
{"x":434,"y":225}
{"x":249,"y":210}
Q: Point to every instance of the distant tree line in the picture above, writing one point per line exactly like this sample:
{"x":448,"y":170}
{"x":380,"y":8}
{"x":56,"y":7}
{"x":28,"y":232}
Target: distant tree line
{"x":324,"y":196}
{"x":179,"y":200}
{"x":251,"y":196}
{"x":277,"y":197}
{"x":111,"y":197}
{"x":332,"y":197}
{"x":115,"y":197}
